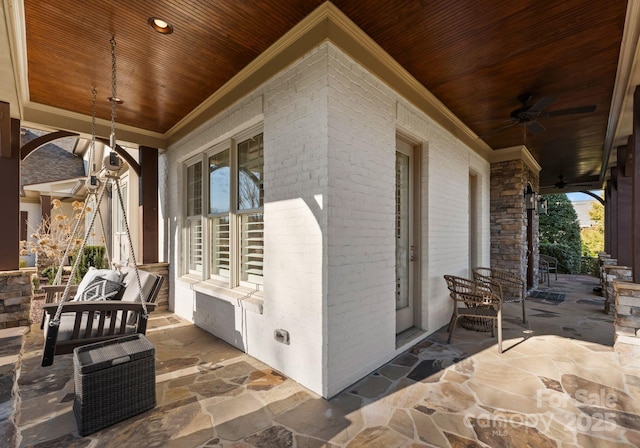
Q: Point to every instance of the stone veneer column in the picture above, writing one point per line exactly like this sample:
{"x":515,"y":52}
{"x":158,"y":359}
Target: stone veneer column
{"x":627,"y":322}
{"x":15,"y":298}
{"x":509,"y":181}
{"x":613,"y":273}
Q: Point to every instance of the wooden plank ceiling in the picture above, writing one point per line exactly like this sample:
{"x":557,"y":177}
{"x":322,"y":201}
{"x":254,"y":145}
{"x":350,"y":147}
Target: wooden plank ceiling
{"x":477,"y":57}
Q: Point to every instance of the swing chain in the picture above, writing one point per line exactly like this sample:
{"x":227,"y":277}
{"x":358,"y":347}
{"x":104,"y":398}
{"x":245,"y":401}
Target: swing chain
{"x":92,"y":147}
{"x":114,"y":94}
{"x":58,"y":278}
{"x":131,"y":250}
{"x":56,"y":319}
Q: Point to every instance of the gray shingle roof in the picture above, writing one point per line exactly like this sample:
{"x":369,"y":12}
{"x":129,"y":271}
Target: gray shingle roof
{"x":51,"y":162}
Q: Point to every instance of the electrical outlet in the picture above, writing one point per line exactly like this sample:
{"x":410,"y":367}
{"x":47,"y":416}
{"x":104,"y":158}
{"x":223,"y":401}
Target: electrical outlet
{"x":281,"y":335}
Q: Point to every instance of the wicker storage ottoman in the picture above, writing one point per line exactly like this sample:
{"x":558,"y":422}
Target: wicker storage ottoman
{"x":114,"y":380}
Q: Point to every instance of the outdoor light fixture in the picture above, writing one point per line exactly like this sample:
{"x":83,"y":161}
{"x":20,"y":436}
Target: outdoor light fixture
{"x":160,"y":25}
{"x":542,"y":206}
{"x":530,"y":200}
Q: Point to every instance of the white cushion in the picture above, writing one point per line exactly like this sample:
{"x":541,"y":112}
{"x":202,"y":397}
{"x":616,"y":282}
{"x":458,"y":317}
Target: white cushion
{"x":90,"y":276}
{"x":102,"y":289}
{"x":132,"y":292}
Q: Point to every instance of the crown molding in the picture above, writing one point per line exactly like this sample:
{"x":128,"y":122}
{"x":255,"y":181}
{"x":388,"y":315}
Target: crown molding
{"x":60,"y":119}
{"x":306,"y":35}
{"x":325,"y":23}
{"x":345,"y":34}
{"x":16,"y":36}
{"x":519,"y":152}
{"x":328,"y":23}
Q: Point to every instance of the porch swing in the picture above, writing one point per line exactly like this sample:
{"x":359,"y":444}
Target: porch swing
{"x":93,"y":315}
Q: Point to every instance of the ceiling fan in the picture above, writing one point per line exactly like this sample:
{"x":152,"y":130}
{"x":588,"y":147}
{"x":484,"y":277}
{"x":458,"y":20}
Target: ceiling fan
{"x":562,"y":183}
{"x":528,"y":113}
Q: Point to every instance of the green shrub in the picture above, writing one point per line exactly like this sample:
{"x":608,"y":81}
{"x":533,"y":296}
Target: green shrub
{"x":22,"y":264}
{"x":560,"y":234}
{"x":568,"y":256}
{"x":590,"y":266}
{"x":50,"y":273}
{"x":90,"y":256}
{"x":36,"y":283}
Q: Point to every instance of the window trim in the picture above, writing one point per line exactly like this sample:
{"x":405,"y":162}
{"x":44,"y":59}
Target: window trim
{"x":186,"y":240}
{"x":206,"y":218}
{"x":230,"y":146}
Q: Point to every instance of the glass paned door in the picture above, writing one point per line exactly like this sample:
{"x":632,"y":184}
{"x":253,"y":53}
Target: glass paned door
{"x":404,"y":236}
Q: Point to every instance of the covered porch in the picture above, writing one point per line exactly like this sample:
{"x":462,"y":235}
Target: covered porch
{"x":558,"y":383}
{"x":325,"y":108}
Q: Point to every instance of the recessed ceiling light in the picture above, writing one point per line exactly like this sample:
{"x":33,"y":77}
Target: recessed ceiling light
{"x":161,"y":26}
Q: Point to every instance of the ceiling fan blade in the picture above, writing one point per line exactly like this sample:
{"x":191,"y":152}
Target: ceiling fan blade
{"x":534,"y":127}
{"x":569,"y":111}
{"x":502,"y":128}
{"x":542,"y":104}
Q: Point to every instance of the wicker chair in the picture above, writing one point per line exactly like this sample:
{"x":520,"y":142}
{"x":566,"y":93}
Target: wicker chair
{"x":547,"y":265}
{"x":514,"y":288}
{"x":476,"y":299}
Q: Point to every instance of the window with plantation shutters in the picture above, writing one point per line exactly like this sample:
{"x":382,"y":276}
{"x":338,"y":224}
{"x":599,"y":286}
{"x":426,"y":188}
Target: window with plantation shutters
{"x":250,"y":203}
{"x":228,"y":240}
{"x":219,"y":210}
{"x":194,"y":218}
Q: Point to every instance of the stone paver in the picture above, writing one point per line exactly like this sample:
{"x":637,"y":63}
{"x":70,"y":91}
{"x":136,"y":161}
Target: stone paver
{"x":558,"y":384}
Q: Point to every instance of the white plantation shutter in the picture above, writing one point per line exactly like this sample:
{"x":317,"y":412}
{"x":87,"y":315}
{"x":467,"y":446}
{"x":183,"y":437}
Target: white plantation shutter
{"x":195,"y":245}
{"x":252,"y":248}
{"x":194,"y":217}
{"x":221,"y":247}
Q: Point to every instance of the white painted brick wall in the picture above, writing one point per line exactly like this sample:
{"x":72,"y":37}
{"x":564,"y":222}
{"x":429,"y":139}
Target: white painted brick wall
{"x":446,"y":165}
{"x":481,"y":168}
{"x":364,"y":116}
{"x":295,"y":123}
{"x":361,"y":271}
{"x":293,"y":106}
{"x":329,"y":133}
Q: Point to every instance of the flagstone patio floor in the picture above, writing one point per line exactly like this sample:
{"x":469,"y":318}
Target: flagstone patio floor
{"x":558,"y":384}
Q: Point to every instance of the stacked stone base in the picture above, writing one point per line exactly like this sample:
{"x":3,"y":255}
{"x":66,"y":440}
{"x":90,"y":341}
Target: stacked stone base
{"x":627,"y":322}
{"x":15,"y":298}
{"x":12,"y":342}
{"x":611,"y":274}
{"x":160,"y":269}
{"x":604,"y":259}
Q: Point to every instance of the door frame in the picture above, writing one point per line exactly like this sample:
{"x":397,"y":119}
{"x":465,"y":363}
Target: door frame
{"x":416,"y":233}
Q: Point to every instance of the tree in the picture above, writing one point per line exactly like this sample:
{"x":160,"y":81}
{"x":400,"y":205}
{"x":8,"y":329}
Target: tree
{"x":50,"y":240}
{"x":593,"y":236}
{"x":560,"y":233}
